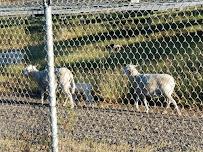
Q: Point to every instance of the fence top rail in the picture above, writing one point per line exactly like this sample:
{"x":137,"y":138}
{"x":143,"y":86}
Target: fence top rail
{"x":6,"y":3}
{"x":13,"y":11}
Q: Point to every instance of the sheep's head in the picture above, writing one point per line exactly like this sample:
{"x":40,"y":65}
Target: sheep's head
{"x":130,"y":69}
{"x":29,"y":69}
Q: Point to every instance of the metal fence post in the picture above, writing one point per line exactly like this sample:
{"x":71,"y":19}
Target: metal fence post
{"x":52,"y":93}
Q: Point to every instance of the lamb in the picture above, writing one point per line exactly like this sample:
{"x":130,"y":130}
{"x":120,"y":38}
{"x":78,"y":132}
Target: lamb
{"x":87,"y":89}
{"x":64,"y":79}
{"x":151,"y":85}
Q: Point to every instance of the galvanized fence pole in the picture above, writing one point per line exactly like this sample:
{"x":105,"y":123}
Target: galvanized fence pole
{"x":52,"y":87}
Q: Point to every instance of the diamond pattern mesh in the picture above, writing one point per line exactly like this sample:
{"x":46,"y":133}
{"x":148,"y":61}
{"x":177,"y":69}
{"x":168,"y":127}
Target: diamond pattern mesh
{"x":162,"y":42}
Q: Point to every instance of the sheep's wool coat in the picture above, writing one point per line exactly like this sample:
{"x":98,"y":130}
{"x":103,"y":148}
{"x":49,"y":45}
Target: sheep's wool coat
{"x":63,"y":78}
{"x":153,"y":84}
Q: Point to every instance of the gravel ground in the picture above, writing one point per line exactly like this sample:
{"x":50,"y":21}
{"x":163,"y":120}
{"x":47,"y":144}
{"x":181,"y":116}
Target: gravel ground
{"x":24,"y":122}
{"x":162,"y":132}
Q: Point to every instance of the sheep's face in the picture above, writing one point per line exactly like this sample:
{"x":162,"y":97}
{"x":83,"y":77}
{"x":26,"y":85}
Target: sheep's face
{"x":130,"y":70}
{"x":29,"y":69}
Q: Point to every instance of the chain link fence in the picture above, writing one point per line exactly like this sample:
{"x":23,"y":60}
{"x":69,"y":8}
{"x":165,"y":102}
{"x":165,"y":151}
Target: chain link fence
{"x":126,"y":59}
{"x":25,"y":124}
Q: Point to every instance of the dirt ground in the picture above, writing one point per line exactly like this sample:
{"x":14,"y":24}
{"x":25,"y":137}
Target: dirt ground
{"x":155,"y":131}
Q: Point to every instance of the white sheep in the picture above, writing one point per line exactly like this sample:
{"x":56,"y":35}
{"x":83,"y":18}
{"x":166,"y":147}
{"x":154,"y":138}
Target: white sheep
{"x":86,"y":89}
{"x":64,"y":79}
{"x":151,"y":85}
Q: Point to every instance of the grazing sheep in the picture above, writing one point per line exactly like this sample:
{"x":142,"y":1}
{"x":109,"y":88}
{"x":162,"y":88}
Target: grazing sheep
{"x":150,"y":85}
{"x":87,"y":89}
{"x":64,"y":79}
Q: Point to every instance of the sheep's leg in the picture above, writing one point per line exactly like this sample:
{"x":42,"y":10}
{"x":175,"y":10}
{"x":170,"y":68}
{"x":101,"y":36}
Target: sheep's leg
{"x":42,"y":97}
{"x":146,"y":105}
{"x":167,"y":106}
{"x":175,"y":104}
{"x":72,"y":103}
{"x":137,"y":104}
{"x":69,"y":95}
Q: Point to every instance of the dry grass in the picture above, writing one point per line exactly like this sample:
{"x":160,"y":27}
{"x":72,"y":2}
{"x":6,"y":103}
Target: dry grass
{"x":10,"y":145}
{"x":112,"y":84}
{"x":91,"y":146}
{"x":86,"y":145}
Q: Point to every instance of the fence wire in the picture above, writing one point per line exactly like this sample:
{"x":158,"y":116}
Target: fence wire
{"x":79,"y":3}
{"x":24,"y":121}
{"x":119,"y":65}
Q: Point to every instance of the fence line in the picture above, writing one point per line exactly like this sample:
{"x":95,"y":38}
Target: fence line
{"x":115,"y":108}
{"x":37,"y":10}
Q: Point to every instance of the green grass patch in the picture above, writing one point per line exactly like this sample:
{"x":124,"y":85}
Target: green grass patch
{"x":14,"y":37}
{"x":64,"y":33}
{"x":112,"y":84}
{"x":99,"y":50}
{"x":161,"y":42}
{"x":89,"y":52}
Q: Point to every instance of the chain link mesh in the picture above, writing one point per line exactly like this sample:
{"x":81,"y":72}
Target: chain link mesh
{"x":96,"y":43}
{"x":24,"y":121}
{"x":97,"y":46}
